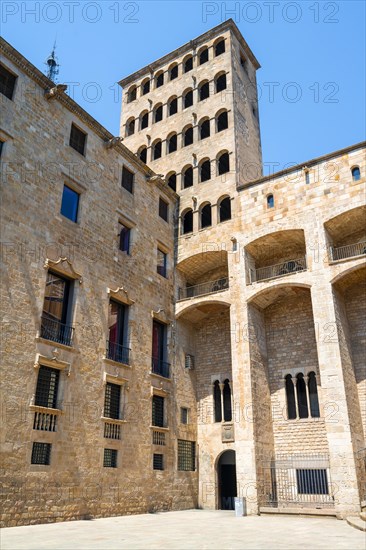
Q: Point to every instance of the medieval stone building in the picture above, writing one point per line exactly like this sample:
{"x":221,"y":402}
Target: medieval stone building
{"x":179,"y":329}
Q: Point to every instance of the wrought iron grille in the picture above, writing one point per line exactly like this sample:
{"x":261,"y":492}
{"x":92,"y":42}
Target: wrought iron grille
{"x":56,"y":331}
{"x":186,"y":455}
{"x":158,"y":438}
{"x":347,"y":251}
{"x":204,"y":288}
{"x":158,"y":461}
{"x":41,"y":453}
{"x":160,"y":367}
{"x":278,"y":270}
{"x":118,"y":353}
{"x":112,"y":430}
{"x":112,"y":400}
{"x":47,"y":387}
{"x":110,"y":458}
{"x":158,"y":411}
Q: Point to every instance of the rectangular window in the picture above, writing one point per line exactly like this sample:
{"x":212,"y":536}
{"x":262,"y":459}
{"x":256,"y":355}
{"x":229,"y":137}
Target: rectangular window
{"x":57,"y":310}
{"x":163,"y":209}
{"x":7,"y":82}
{"x":186,"y":455}
{"x":158,"y":411}
{"x":184,"y":415}
{"x":127,"y":179}
{"x":41,"y":453}
{"x":307,"y":177}
{"x":77,"y":139}
{"x":124,"y":238}
{"x":112,"y":401}
{"x":159,"y":350}
{"x":47,"y":387}
{"x":158,"y":461}
{"x":117,"y":349}
{"x":161,"y":266}
{"x":312,"y":482}
{"x":110,"y":458}
{"x":70,"y":203}
{"x":1,"y":147}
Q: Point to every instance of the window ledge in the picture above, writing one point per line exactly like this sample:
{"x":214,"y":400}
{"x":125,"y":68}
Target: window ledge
{"x":159,"y":376}
{"x":56,"y":344}
{"x":305,"y":420}
{"x":160,"y":428}
{"x":116,"y":363}
{"x":47,"y":410}
{"x":113,"y":420}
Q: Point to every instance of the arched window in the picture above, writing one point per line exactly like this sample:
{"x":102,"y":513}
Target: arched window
{"x":156,"y":150}
{"x":188,"y":177}
{"x":172,"y":106}
{"x":203,"y":56}
{"x":130,"y":127}
{"x":270,"y":201}
{"x":145,"y":86}
{"x":225,"y":209}
{"x":220,"y":47}
{"x":313,"y":395}
{"x":217,"y":401}
{"x":302,"y":402}
{"x":158,"y":113}
{"x":188,"y":64}
{"x":187,"y":99}
{"x":223,"y":164}
{"x":356,"y":173}
{"x":131,"y":94}
{"x":290,"y":397}
{"x":159,"y":79}
{"x":173,"y":72}
{"x":203,"y":91}
{"x":206,"y":218}
{"x":204,"y":129}
{"x":227,"y":401}
{"x":143,"y":154}
{"x":187,"y":136}
{"x":172,"y":181}
{"x":220,"y":83}
{"x":187,"y":221}
{"x":205,"y":171}
{"x":144,"y":120}
{"x":172,"y":143}
{"x":221,"y":121}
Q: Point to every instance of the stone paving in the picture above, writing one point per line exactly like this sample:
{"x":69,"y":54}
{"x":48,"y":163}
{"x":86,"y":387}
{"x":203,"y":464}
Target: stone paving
{"x":191,"y":529}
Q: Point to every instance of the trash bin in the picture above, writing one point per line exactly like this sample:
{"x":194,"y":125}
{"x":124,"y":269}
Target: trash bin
{"x":240,"y":507}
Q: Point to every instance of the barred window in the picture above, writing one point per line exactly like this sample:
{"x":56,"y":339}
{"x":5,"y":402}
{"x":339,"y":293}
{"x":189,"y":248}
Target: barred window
{"x":158,"y":411}
{"x":112,"y":400}
{"x":41,"y":453}
{"x":77,"y":139}
{"x":47,"y":387}
{"x":184,"y":415}
{"x":158,"y":461}
{"x":186,"y":455}
{"x":312,"y":482}
{"x":110,"y":458}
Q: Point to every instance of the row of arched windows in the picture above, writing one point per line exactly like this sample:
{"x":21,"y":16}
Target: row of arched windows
{"x":186,"y":137}
{"x":222,"y":401}
{"x":156,"y":115}
{"x":205,"y":215}
{"x":302,"y":397}
{"x":205,"y":173}
{"x":173,"y":71}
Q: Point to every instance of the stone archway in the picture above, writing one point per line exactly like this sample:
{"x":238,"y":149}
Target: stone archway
{"x":226,"y":476}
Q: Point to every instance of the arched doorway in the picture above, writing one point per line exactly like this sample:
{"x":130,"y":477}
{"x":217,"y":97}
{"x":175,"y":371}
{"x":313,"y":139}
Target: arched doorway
{"x":226,"y":474}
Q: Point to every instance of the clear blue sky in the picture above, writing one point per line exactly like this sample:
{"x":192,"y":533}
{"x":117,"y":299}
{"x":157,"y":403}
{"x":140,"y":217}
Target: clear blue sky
{"x":312,"y":56}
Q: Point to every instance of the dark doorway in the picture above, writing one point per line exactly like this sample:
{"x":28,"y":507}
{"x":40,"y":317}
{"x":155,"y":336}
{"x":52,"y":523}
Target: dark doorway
{"x":226,"y":471}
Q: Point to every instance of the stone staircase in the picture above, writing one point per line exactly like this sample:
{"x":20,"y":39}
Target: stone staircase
{"x":359,"y":522}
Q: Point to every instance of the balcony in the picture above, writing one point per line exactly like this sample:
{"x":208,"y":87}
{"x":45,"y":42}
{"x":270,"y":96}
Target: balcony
{"x":160,"y":367}
{"x":117,"y":353}
{"x":203,"y":288}
{"x":347,"y":251}
{"x":52,"y":329}
{"x":277,"y":270}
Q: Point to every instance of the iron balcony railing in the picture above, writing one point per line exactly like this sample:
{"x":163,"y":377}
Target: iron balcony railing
{"x":56,"y":331}
{"x":118,"y":353}
{"x":347,"y":251}
{"x":160,"y":367}
{"x":277,"y":270}
{"x":203,"y":288}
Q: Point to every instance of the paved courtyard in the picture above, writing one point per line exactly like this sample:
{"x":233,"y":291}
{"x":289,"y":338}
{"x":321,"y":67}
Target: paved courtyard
{"x":196,"y":529}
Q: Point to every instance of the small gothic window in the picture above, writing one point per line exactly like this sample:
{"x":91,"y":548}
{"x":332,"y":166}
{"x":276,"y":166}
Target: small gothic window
{"x":290,"y":396}
{"x":302,"y":402}
{"x":188,"y":64}
{"x":188,"y":99}
{"x":172,"y":181}
{"x":158,"y":113}
{"x":143,"y":154}
{"x":205,"y":171}
{"x":221,"y":83}
{"x":188,"y":137}
{"x":222,"y":121}
{"x":205,"y":129}
{"x":172,"y":143}
{"x":188,"y":177}
{"x":159,"y":80}
{"x":225,"y":209}
{"x":270,"y":201}
{"x":223,"y":164}
{"x":313,"y":395}
{"x":204,"y":91}
{"x":187,"y":222}
{"x":220,"y":48}
{"x":356,"y":173}
{"x":144,"y":121}
{"x":203,"y":56}
{"x":173,"y":72}
{"x":217,"y":401}
{"x":157,"y":150}
{"x":145,"y":87}
{"x":173,"y":107}
{"x":206,"y":218}
{"x":132,"y":94}
{"x":130,"y":127}
{"x":227,"y":401}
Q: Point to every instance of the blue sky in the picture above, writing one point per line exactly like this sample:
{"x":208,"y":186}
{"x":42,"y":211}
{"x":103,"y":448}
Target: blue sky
{"x":311,"y":84}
